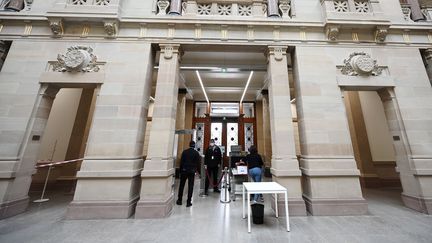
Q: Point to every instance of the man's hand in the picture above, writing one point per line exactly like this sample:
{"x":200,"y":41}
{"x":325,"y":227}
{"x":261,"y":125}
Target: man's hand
{"x":205,"y":167}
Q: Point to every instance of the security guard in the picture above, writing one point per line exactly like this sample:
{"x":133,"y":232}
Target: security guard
{"x":189,"y":164}
{"x":212,"y":161}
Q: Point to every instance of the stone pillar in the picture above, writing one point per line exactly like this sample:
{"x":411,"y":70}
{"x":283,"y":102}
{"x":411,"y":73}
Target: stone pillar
{"x":175,"y":7}
{"x":331,"y":179}
{"x":285,"y":167}
{"x":157,"y":176}
{"x":413,"y":161}
{"x":273,"y":8}
{"x":19,"y":149}
{"x":266,"y":130}
{"x":416,"y":13}
{"x":109,"y":178}
{"x":180,"y":123}
{"x":428,"y":58}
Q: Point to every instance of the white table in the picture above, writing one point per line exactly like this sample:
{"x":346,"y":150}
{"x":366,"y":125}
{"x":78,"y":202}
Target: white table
{"x":264,"y":188}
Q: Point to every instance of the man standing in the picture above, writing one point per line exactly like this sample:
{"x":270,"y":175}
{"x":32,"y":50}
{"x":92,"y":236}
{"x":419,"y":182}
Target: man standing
{"x":189,"y":164}
{"x":212,"y":161}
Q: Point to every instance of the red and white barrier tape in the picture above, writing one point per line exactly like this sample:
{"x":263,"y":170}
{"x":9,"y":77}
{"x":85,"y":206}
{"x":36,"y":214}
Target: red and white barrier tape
{"x":57,"y":163}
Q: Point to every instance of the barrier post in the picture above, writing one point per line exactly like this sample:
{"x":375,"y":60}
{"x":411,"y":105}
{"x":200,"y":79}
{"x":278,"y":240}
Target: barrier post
{"x":224,"y":196}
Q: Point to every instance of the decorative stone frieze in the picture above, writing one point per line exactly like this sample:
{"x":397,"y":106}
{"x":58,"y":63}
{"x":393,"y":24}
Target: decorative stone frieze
{"x":361,"y":64}
{"x":77,"y":59}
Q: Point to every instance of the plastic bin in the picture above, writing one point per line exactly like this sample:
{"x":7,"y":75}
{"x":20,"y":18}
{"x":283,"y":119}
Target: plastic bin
{"x":257,"y":213}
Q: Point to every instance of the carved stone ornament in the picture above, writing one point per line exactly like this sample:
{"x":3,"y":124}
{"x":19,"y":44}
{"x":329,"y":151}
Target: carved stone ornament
{"x":56,"y":26}
{"x":77,"y":59}
{"x":168,"y":52}
{"x":285,"y":7}
{"x":380,"y":34}
{"x":361,"y":64}
{"x":333,"y":33}
{"x":278,"y":52}
{"x":111,"y":28}
{"x":162,"y":7}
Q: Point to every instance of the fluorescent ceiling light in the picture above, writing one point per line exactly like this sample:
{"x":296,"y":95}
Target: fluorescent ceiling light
{"x":247,"y":86}
{"x":202,"y":86}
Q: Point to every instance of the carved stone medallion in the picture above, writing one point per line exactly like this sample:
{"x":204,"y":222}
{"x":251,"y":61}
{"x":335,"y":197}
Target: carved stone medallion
{"x":78,"y":59}
{"x":360,"y":63}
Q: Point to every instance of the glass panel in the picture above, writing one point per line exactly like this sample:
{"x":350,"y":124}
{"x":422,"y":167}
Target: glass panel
{"x":216,"y":133}
{"x":200,"y":109}
{"x":225,"y":109}
{"x":232,"y":136}
{"x":248,"y":110}
{"x":200,"y":137}
{"x":249,"y":135}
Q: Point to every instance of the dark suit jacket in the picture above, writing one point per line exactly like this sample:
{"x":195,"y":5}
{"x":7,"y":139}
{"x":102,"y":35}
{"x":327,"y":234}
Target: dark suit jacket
{"x":213,"y":156}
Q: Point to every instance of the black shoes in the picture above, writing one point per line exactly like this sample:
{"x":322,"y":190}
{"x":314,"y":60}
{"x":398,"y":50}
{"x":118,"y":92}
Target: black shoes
{"x":216,"y":190}
{"x":179,"y":202}
{"x":188,"y":204}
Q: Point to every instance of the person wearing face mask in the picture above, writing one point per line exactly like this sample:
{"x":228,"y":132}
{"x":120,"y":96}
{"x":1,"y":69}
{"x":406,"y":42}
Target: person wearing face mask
{"x":212,"y":161}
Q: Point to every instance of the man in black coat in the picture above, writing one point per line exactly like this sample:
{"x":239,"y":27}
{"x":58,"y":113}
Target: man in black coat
{"x":212,"y":161}
{"x":189,"y":164}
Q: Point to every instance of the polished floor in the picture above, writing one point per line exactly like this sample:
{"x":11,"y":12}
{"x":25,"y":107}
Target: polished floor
{"x":210,"y":221}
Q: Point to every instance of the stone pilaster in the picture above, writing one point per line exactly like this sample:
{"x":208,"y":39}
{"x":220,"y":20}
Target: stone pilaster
{"x":17,"y":167}
{"x":109,"y":180}
{"x":331,"y":179}
{"x":157,"y":176}
{"x":180,"y":123}
{"x":266,"y":130}
{"x":285,"y":166}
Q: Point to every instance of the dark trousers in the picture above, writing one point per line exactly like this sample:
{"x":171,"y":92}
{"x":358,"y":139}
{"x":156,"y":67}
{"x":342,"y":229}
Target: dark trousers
{"x":190,"y":177}
{"x":213,"y":173}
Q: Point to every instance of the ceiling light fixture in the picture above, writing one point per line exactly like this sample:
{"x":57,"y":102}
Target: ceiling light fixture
{"x":247,"y":86}
{"x":202,"y":86}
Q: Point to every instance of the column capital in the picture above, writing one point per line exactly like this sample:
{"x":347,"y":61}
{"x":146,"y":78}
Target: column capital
{"x":168,"y":50}
{"x":278,"y":52}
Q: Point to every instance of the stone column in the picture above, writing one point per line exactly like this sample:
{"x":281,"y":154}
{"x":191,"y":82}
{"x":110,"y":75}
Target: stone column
{"x":413,"y":151}
{"x":266,"y":129}
{"x":157,"y":176}
{"x":285,"y":167}
{"x":180,"y":123}
{"x":175,"y":7}
{"x":331,"y":179}
{"x":416,"y":13}
{"x":273,"y":8}
{"x":19,"y":149}
{"x":428,"y":58}
{"x":109,"y":178}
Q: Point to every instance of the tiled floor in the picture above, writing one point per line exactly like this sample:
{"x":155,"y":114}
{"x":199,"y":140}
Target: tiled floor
{"x":210,"y":221}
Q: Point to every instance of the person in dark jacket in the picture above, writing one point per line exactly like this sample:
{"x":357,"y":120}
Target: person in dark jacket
{"x":254,"y":163}
{"x":189,"y":164}
{"x":212,"y":161}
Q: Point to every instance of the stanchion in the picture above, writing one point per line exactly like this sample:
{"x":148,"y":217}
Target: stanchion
{"x":224,"y":196}
{"x":42,"y":199}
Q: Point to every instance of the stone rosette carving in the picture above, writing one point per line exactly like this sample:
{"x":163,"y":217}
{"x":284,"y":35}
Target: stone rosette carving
{"x":361,"y":64}
{"x":77,"y":59}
